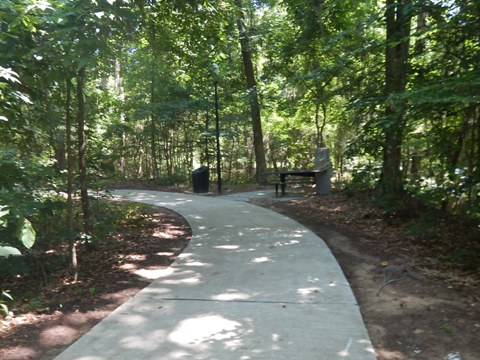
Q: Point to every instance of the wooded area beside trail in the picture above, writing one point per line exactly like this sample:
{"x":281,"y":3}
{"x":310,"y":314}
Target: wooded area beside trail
{"x":101,"y":90}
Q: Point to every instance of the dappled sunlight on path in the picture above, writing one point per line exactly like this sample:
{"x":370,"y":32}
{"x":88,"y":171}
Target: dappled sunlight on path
{"x":252,"y":284}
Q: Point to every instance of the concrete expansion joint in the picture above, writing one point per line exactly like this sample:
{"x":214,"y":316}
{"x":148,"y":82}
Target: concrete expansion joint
{"x":292,"y":302}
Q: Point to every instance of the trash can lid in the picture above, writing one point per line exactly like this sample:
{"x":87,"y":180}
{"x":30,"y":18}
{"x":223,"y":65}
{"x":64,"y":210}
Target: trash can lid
{"x":200,"y":169}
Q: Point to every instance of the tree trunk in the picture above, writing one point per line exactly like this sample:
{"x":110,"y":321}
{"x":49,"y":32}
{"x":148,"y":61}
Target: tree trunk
{"x":252,"y":92}
{"x":152,"y":33}
{"x":153,"y":131}
{"x":396,"y":70}
{"x":121,"y":97}
{"x":318,"y":138}
{"x":415,"y":166}
{"x":476,"y":141}
{"x":82,"y":158}
{"x":207,"y":151}
{"x":69,"y":150}
{"x":323,"y":142}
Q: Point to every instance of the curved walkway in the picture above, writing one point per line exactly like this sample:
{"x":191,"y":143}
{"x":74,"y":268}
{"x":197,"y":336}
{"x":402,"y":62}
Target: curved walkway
{"x":252,"y":284}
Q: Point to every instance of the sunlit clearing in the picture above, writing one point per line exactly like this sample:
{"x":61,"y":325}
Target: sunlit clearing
{"x":28,"y":353}
{"x":259,"y":229}
{"x":227,"y":247}
{"x":166,"y":253}
{"x":163,"y":235}
{"x":57,"y":336}
{"x":276,"y":338}
{"x":196,"y":263}
{"x":192,"y":332}
{"x":308,"y":291}
{"x":150,"y":274}
{"x":128,"y":267}
{"x":185,"y":255}
{"x":291,"y":242}
{"x":154,"y":274}
{"x":231,"y":295}
{"x":261,"y":259}
{"x":346,"y":351}
{"x":136,"y":257}
{"x":369,"y":347}
{"x":389,"y":355}
{"x":179,"y":354}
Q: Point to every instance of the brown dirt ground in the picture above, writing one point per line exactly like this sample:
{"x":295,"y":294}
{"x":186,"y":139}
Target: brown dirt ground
{"x":430,"y":310}
{"x":59,"y":312}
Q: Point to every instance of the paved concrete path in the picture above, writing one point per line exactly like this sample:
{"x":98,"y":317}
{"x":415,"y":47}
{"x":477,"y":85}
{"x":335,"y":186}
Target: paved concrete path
{"x":252,"y":284}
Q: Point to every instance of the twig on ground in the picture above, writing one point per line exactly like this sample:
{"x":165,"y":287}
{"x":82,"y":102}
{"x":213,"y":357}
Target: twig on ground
{"x":392,"y":273}
{"x":386,"y":282}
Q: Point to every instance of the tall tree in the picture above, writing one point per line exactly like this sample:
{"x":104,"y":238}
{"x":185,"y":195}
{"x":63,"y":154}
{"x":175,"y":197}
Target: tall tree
{"x":398,"y":15}
{"x":82,"y":148}
{"x":252,"y":90}
{"x":70,"y":175}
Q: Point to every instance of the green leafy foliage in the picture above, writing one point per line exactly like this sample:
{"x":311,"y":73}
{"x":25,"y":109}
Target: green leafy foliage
{"x":26,"y":233}
{"x":4,"y":297}
{"x":149,"y":104}
{"x":6,"y":251}
{"x":17,"y":203}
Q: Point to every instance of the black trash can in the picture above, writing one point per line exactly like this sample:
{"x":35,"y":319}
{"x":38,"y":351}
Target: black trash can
{"x":200,"y":179}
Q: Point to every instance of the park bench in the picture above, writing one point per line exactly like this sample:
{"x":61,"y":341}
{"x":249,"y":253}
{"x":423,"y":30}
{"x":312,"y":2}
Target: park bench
{"x":320,"y":175}
{"x":282,"y":179}
{"x":282,"y":185}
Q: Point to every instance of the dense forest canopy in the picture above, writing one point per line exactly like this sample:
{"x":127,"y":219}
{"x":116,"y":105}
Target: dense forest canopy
{"x":94,"y":90}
